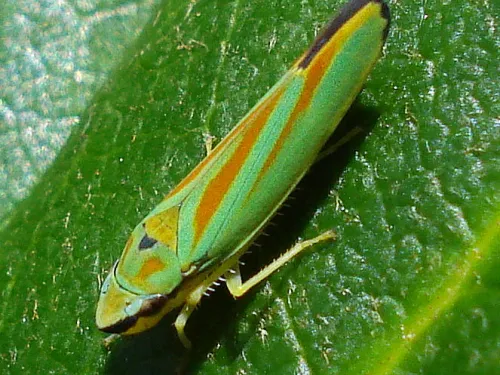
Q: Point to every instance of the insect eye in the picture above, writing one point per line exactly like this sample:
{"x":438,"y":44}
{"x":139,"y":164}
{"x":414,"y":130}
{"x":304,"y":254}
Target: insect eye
{"x":153,"y":305}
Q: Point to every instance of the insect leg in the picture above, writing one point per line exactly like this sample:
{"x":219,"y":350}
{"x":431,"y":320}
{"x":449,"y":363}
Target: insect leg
{"x":109,"y":340}
{"x":208,"y":139}
{"x":342,"y":141}
{"x":238,"y":288}
{"x":191,"y":301}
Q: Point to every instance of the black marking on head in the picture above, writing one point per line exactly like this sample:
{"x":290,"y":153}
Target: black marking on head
{"x":345,"y":14}
{"x":149,"y":307}
{"x":122,"y":326}
{"x":147,"y":242}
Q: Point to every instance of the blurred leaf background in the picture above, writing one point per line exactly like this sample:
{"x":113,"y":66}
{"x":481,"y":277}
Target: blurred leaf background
{"x":103,"y":108}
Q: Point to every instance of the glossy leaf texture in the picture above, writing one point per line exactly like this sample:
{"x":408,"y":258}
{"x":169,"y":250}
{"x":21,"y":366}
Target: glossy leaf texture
{"x":53,"y":58}
{"x":410,"y":286}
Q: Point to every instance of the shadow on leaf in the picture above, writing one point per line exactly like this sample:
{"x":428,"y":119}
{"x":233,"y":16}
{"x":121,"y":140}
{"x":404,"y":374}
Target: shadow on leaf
{"x":214,"y":323}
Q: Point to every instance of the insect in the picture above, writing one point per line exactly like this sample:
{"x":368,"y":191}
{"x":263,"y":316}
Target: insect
{"x":199,"y":231}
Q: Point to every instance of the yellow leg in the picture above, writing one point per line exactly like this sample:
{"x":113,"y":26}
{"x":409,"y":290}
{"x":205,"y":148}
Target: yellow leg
{"x":191,"y":302}
{"x":209,"y":142}
{"x":110,"y":340}
{"x":342,"y":141}
{"x":233,"y":279}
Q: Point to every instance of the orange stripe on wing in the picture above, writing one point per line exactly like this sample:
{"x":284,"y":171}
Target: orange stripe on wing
{"x":197,"y":170}
{"x":313,"y":73}
{"x":220,"y":183}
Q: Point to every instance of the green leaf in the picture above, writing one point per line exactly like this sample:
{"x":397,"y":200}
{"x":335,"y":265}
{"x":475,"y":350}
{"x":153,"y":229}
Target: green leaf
{"x":410,"y":286}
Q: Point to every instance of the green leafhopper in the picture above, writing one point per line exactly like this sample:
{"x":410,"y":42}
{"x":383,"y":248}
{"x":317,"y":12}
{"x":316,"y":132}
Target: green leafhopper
{"x":200,"y":230}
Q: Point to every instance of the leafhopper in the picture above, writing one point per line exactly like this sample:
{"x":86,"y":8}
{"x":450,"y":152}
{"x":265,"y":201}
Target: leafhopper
{"x":197,"y":234}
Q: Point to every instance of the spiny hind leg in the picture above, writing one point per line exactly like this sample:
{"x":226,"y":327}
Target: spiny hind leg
{"x":233,"y":277}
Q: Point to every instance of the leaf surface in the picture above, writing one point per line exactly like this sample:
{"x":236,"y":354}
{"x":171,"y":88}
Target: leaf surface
{"x":410,"y":286}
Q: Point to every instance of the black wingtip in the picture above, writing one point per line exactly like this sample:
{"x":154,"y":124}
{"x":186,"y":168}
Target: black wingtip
{"x":346,"y":13}
{"x":386,"y":13}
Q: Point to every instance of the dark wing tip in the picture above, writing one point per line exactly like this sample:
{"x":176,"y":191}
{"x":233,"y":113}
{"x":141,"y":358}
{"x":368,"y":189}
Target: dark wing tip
{"x":345,"y":14}
{"x":387,"y":15}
